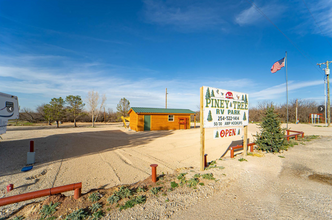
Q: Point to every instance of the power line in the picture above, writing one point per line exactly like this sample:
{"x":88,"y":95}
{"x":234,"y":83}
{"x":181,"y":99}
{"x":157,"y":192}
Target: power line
{"x":298,"y":49}
{"x":321,"y":31}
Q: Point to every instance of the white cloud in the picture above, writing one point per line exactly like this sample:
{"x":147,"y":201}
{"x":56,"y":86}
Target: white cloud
{"x":193,"y":16}
{"x":278,"y":90}
{"x":252,"y":16}
{"x":37,"y":85}
{"x":248,"y":16}
{"x":322,"y":13}
{"x":44,"y":83}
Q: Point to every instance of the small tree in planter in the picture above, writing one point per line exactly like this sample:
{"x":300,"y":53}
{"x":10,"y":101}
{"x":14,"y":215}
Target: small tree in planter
{"x":272,"y":136}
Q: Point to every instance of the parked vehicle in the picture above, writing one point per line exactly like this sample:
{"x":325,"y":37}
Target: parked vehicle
{"x":8,"y":110}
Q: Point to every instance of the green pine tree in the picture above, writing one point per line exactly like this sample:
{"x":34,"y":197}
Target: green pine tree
{"x":246,"y":99}
{"x":217,"y":134}
{"x":212,"y":93}
{"x":209,"y":118}
{"x":207,"y":95}
{"x":272,"y":136}
{"x":244,"y":117}
{"x":55,"y":110}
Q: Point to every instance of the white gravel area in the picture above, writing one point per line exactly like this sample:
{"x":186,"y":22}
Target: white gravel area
{"x":110,"y":155}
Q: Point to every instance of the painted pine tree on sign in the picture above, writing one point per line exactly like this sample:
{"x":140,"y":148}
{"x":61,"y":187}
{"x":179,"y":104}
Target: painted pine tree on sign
{"x":212,"y":93}
{"x":209,"y":118}
{"x":207,"y":95}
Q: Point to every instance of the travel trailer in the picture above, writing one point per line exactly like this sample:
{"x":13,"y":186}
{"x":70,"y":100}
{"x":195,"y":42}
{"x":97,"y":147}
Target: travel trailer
{"x":8,"y":110}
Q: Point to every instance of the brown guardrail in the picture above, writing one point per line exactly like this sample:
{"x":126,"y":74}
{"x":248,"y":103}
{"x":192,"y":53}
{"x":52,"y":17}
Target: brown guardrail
{"x":239,"y":147}
{"x":297,"y":133}
{"x":77,"y":187}
{"x":294,"y":135}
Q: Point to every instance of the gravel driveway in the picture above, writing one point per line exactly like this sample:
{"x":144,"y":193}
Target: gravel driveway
{"x":298,"y":186}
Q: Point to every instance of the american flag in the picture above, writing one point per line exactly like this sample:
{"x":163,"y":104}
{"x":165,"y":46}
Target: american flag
{"x":277,"y":65}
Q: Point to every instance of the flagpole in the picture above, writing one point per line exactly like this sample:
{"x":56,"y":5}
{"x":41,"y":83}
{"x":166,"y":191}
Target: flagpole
{"x":286,"y":88}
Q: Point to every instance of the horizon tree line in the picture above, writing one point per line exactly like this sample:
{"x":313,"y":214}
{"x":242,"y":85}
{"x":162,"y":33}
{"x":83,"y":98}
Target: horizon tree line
{"x":72,"y":109}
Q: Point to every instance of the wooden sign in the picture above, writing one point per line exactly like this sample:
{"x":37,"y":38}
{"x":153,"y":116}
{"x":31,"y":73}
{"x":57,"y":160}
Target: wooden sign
{"x":223,"y":108}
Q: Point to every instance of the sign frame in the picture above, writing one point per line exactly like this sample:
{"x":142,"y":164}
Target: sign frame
{"x":224,"y":100}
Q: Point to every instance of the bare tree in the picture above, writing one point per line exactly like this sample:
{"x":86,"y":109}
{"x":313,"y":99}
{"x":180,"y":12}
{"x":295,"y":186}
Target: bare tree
{"x":93,"y":102}
{"x":305,"y":108}
{"x":103,"y":100}
{"x":111,"y":115}
{"x":30,"y":116}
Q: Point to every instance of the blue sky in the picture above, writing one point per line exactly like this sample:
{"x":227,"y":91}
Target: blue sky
{"x":136,"y":49}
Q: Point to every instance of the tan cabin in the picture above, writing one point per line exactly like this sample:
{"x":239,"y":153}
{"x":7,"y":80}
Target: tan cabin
{"x":151,"y":119}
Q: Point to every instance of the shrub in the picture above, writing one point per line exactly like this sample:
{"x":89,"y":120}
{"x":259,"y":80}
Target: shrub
{"x":183,"y":182}
{"x":76,"y":215}
{"x":124,"y":192}
{"x":113,"y":199}
{"x":174,"y":185}
{"x":96,"y":215}
{"x":94,"y":197}
{"x":197,"y":175}
{"x":214,"y":166}
{"x":192,"y":182}
{"x":48,"y":210}
{"x":140,"y":189}
{"x":155,"y":190}
{"x":181,"y":176}
{"x":132,"y":202}
{"x":140,"y":199}
{"x":208,"y":176}
{"x":95,"y":207}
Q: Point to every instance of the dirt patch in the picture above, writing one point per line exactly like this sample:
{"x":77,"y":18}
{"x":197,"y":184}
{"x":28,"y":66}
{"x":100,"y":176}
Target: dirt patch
{"x":322,"y":178}
{"x":176,"y":184}
{"x":109,"y":156}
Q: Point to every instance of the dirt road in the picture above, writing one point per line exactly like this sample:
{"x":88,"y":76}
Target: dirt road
{"x":109,"y":155}
{"x":298,"y":186}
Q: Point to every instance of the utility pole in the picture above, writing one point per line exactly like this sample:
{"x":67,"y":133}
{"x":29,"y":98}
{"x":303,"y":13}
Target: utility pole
{"x":297,"y":104}
{"x":286,"y":86}
{"x":166,"y":98}
{"x":325,"y":101}
{"x":327,"y":72}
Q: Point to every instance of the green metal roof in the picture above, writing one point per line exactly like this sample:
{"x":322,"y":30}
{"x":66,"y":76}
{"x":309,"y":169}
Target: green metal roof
{"x":162,"y":110}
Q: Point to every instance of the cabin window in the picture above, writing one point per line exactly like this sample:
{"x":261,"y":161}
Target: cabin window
{"x":170,"y":117}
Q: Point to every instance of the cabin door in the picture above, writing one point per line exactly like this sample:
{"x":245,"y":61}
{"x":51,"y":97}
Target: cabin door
{"x":147,"y":122}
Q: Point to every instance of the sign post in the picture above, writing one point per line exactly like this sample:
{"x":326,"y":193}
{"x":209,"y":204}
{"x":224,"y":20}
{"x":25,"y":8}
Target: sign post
{"x":224,"y":109}
{"x":201,"y":127}
{"x":245,"y":144}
